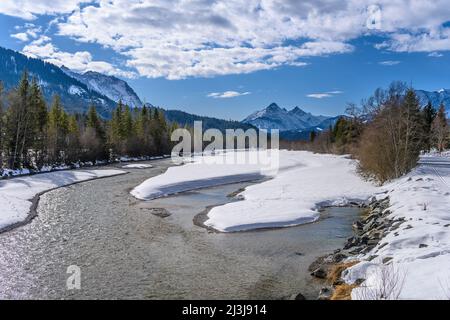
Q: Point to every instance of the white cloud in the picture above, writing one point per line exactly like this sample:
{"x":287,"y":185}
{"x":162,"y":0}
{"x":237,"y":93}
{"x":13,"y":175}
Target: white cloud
{"x":319,"y":95}
{"x":227,"y":94}
{"x":202,"y":38}
{"x":28,"y":31}
{"x":22,"y":36}
{"x":435,"y":55}
{"x":80,"y":61}
{"x":323,"y":95}
{"x":389,"y":63}
{"x":30,"y":9}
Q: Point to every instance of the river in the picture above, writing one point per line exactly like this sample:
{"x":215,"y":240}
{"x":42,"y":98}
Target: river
{"x":126,"y":252}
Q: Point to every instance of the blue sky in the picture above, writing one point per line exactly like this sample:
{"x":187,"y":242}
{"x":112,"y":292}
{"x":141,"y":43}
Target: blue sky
{"x":227,"y":59}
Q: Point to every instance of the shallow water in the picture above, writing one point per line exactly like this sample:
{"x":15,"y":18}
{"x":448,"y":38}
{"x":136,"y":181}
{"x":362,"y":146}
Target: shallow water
{"x":126,"y":252}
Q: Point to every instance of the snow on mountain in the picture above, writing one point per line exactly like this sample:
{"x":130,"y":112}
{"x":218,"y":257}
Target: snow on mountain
{"x":109,"y":86}
{"x":274,"y":117}
{"x":75,"y":95}
{"x":75,"y":90}
{"x":435,"y":97}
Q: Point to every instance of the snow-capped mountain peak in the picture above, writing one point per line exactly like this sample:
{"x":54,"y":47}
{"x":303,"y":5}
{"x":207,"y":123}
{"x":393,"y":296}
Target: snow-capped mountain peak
{"x":275,"y":117}
{"x":436,"y":98}
{"x":109,"y":86}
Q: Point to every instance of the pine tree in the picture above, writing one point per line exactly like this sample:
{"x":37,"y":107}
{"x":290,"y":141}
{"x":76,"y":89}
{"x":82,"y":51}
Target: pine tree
{"x":127,"y":123}
{"x":39,"y":114}
{"x":93,"y":139}
{"x":413,"y":130}
{"x":312,"y":136}
{"x":57,"y":130}
{"x":73,"y":139}
{"x":440,"y":130}
{"x":429,"y":113}
{"x":18,"y":119}
{"x":115,"y":133}
{"x":93,"y":120}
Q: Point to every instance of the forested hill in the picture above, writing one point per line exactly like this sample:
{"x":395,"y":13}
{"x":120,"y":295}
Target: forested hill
{"x":186,"y":119}
{"x":75,"y":96}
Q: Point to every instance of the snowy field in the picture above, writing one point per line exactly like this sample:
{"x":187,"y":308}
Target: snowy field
{"x":293,"y":195}
{"x":16,"y":194}
{"x":420,"y":247}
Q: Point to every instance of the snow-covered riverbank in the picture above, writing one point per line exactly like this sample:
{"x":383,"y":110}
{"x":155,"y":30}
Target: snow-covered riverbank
{"x":416,"y":254}
{"x":16,"y":195}
{"x":293,"y":195}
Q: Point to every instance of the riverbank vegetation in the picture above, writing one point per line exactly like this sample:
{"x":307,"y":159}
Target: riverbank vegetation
{"x":34,"y":135}
{"x":386,"y":133}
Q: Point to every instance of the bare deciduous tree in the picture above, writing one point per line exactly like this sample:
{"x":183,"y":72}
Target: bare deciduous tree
{"x":391,"y":143}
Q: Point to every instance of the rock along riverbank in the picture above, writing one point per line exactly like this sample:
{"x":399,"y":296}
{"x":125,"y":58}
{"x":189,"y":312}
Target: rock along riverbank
{"x":369,"y":231}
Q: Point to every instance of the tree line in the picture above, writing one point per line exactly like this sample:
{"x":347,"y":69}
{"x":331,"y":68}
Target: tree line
{"x":34,"y":135}
{"x":386,"y":133}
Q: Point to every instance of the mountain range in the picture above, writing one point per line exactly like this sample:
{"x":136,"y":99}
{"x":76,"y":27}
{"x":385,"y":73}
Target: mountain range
{"x":113,"y":88}
{"x":293,"y":124}
{"x":274,"y":117}
{"x":78,"y":91}
{"x":435,"y":97}
{"x":76,"y":96}
{"x":297,"y":124}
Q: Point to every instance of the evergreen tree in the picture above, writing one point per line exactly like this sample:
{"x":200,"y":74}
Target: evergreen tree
{"x":127,"y":123}
{"x":312,"y":136}
{"x":413,"y":130}
{"x":73,"y":139}
{"x":18,"y":121}
{"x":93,"y":121}
{"x":440,"y":130}
{"x":93,"y":139}
{"x":32,"y":135}
{"x":57,"y":130}
{"x":116,"y":124}
{"x":429,"y":113}
{"x":39,"y":114}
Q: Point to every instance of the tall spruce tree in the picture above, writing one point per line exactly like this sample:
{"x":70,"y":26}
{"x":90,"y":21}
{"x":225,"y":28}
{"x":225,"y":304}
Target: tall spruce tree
{"x":57,"y":130}
{"x":18,"y":119}
{"x":440,"y":130}
{"x":39,"y":114}
{"x":413,"y":130}
{"x":429,"y":113}
{"x":73,"y":139}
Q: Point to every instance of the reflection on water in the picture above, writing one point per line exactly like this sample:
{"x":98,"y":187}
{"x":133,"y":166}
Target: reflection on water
{"x":125,"y":251}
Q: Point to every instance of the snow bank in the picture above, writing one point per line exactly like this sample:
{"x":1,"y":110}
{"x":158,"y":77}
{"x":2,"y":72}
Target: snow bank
{"x":292,"y":196}
{"x":207,"y":171}
{"x":16,"y":194}
{"x":420,"y":247}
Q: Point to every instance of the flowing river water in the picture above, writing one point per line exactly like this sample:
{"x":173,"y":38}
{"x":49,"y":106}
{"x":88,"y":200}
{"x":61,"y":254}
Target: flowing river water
{"x":126,"y":252}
